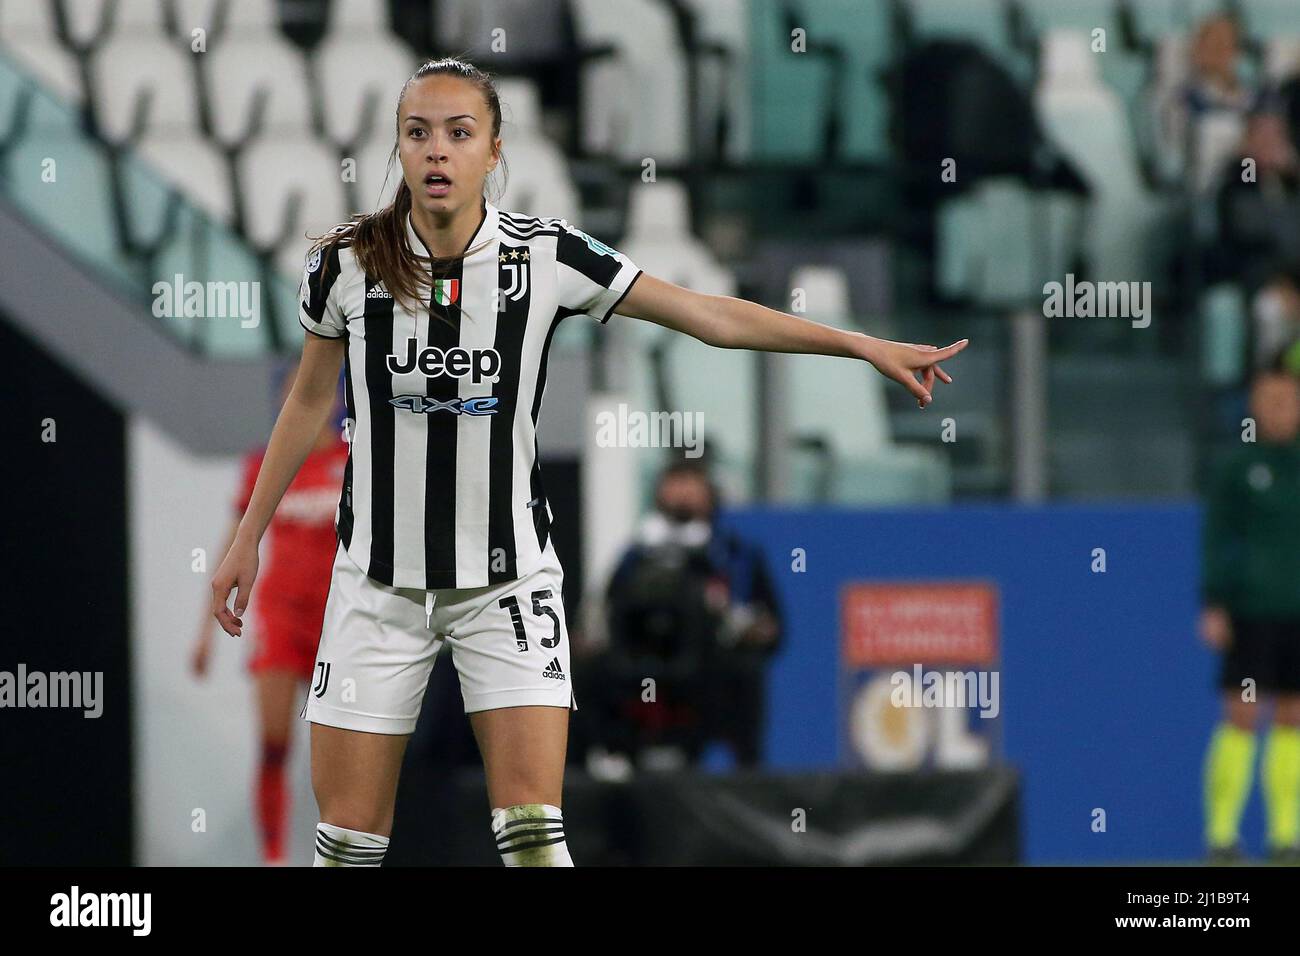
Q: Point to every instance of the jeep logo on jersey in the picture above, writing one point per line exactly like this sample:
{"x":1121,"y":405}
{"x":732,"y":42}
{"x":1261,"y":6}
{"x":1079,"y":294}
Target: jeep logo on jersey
{"x":457,"y":362}
{"x":483,"y":405}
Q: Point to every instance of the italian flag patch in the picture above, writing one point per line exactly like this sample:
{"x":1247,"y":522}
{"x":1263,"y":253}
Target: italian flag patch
{"x":445,"y":291}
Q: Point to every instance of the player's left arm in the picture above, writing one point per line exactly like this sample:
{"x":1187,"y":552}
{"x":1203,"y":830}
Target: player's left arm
{"x":730,"y":323}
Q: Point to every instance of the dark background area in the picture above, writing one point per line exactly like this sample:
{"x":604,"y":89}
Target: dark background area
{"x":66,"y":777}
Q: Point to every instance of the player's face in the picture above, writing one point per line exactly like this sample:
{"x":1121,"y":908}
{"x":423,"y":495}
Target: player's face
{"x":445,"y":143}
{"x":1275,"y":404}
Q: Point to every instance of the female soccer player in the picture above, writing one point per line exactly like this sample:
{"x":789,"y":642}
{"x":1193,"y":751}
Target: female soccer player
{"x":291,"y":606}
{"x":442,"y":308}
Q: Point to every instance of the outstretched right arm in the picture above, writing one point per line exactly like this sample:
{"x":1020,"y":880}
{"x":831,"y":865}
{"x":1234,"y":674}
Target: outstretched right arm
{"x":304,"y":414}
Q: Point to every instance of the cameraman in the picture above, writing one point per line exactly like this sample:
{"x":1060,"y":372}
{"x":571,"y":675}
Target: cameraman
{"x":697,"y":599}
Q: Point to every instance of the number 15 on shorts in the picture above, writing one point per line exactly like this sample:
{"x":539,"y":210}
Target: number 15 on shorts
{"x":511,"y":604}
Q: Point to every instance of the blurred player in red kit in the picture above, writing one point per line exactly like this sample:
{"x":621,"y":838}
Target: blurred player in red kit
{"x":290,"y":608}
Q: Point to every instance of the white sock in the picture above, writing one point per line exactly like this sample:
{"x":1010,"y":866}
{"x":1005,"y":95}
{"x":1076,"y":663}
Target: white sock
{"x":531,"y":834}
{"x":339,"y":846}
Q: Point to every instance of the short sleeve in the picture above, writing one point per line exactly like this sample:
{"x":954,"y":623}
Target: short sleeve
{"x":592,"y":277}
{"x":318,"y":310}
{"x":248,"y":480}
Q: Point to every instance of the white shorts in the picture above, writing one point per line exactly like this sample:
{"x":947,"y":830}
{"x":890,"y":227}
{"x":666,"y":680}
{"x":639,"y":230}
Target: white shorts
{"x":378,"y":645}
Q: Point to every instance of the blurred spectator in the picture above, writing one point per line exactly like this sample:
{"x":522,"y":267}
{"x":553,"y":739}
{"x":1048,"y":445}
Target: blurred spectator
{"x":691,"y":605}
{"x":1289,"y":100}
{"x":288,"y":607}
{"x":1259,"y":216}
{"x":1202,"y":117}
{"x":1276,"y":327}
{"x":1251,"y":614}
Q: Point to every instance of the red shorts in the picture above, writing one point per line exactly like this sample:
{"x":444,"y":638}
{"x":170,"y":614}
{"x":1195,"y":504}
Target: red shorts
{"x":285,"y":635}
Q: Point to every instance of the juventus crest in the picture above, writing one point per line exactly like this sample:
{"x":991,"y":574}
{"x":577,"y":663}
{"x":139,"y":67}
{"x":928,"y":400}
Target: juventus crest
{"x":514,"y":263}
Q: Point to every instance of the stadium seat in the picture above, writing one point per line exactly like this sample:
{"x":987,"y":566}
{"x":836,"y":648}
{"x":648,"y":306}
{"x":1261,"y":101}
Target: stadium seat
{"x":249,"y":18}
{"x":1070,"y":97}
{"x":633,"y":101}
{"x":359,"y":58}
{"x":659,"y":240}
{"x":978,"y":21}
{"x":998,"y":244}
{"x":206,"y":15}
{"x":143,"y":68}
{"x":790,"y":91}
{"x":92,"y":21}
{"x":272,"y":170}
{"x":722,"y":385}
{"x":27,"y":34}
{"x":841,"y":406}
{"x":723,"y":81}
{"x":1224,"y":331}
{"x":62,"y":180}
{"x":203,"y":250}
{"x":376,"y":183}
{"x":239,"y":70}
{"x":534,"y":31}
{"x":1264,"y":20}
{"x":195,"y":167}
{"x":862,"y":31}
{"x":538,"y":181}
{"x":146,"y":66}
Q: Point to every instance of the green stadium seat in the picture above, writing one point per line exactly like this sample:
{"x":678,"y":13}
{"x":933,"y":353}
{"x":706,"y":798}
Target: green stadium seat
{"x":979,"y":21}
{"x":1264,"y":20}
{"x":792,"y":91}
{"x":1224,"y":329}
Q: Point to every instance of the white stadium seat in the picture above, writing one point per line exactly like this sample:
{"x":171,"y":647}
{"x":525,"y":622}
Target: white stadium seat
{"x":538,"y":183}
{"x":1071,"y":97}
{"x":634,"y":101}
{"x":92,"y":20}
{"x":129,"y":65}
{"x":274,"y":168}
{"x":28,"y":34}
{"x":376,"y":183}
{"x":195,"y":166}
{"x":191,"y":15}
{"x":238,"y":69}
{"x":350,"y":69}
{"x":253,"y":18}
{"x":720,"y":384}
{"x":844,"y":405}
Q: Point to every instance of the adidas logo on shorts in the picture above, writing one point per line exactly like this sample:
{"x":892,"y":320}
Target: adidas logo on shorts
{"x":553,"y":670}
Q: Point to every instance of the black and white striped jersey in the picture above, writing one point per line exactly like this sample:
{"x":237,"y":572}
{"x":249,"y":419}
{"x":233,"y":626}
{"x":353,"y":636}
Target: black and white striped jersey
{"x":443,"y":488}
